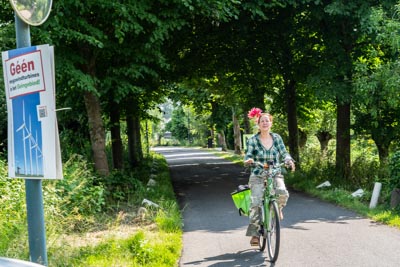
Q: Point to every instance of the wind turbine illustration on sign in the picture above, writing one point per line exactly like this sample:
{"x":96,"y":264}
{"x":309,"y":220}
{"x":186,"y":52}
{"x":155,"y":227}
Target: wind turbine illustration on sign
{"x":33,"y":145}
{"x":38,"y":152}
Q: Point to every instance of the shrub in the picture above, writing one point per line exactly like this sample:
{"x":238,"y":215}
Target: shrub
{"x":12,"y":213}
{"x":394,"y":171}
{"x":79,"y":190}
{"x":364,"y":171}
{"x":77,"y":197}
{"x":121,"y":185}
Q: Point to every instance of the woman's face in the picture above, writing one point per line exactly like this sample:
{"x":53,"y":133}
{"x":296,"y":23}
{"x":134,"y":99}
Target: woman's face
{"x":265,"y":122}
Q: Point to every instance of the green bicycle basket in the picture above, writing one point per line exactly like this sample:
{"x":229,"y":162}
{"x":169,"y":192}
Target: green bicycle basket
{"x":241,"y":199}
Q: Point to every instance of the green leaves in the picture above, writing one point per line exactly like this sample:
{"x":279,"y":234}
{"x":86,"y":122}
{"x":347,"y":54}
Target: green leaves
{"x":394,"y":167}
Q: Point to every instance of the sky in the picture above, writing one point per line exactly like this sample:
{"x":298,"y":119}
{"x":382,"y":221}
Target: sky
{"x":28,"y":160}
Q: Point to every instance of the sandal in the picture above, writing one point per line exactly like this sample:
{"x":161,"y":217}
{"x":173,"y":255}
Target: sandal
{"x":280,"y":214}
{"x":254,"y":241}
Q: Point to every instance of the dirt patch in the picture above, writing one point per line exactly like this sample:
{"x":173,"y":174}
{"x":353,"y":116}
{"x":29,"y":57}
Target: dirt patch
{"x":125,"y":225}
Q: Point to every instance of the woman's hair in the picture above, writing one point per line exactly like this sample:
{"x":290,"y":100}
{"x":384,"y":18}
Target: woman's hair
{"x":263,"y":115}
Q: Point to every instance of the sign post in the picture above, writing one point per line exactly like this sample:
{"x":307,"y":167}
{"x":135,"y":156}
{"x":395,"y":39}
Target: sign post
{"x":30,"y":162}
{"x":33,"y":187}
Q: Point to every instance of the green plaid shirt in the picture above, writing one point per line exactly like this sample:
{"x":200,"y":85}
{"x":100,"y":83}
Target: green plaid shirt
{"x":256,"y":151}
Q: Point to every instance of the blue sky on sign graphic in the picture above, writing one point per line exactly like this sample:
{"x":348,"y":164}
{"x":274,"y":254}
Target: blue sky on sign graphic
{"x":27,"y":135}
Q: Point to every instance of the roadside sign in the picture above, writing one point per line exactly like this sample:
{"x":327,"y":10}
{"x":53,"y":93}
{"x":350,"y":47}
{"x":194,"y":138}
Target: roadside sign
{"x":33,"y":141}
{"x":245,"y":138}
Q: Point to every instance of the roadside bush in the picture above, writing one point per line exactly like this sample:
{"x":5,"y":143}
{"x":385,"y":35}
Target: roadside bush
{"x":316,"y":168}
{"x":122,"y":185}
{"x":12,"y":213}
{"x":79,"y":190}
{"x":394,"y":180}
{"x":157,"y":239}
{"x":74,"y":200}
{"x":83,"y":203}
{"x":364,"y":172}
{"x":394,"y":169}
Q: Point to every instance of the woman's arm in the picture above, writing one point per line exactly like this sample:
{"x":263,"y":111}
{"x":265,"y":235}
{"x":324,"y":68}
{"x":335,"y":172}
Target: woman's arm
{"x":250,"y":147}
{"x":283,"y":152}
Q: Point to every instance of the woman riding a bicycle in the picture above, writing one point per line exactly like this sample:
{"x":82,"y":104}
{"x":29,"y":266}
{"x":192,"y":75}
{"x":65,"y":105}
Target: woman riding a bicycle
{"x":262,"y":147}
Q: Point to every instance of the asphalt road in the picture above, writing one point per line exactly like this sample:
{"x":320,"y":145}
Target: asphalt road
{"x":314,"y":233}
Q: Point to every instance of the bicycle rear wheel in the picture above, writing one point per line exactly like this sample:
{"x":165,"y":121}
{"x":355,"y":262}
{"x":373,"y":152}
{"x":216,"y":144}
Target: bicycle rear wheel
{"x":273,"y":231}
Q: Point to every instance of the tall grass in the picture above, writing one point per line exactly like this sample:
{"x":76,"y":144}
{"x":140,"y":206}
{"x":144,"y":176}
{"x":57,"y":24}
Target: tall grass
{"x":93,"y":221}
{"x":140,"y":249}
{"x":13,"y":233}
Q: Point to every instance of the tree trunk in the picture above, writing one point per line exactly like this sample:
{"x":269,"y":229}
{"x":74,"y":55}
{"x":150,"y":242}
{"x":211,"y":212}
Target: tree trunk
{"x":302,"y":138}
{"x":324,"y":138}
{"x":147,"y":139}
{"x":383,"y":138}
{"x":291,"y":108}
{"x":133,"y":161}
{"x":383,"y":150}
{"x":210,"y":138}
{"x":236,"y":134}
{"x":116,"y":141}
{"x":97,"y":133}
{"x":343,"y":139}
{"x":137,"y":138}
{"x":222,"y":140}
{"x":246,"y":124}
{"x":395,"y":198}
{"x":133,"y":133}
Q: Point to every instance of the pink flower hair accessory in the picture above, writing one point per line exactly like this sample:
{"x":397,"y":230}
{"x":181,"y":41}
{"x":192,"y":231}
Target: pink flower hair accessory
{"x":254,"y":113}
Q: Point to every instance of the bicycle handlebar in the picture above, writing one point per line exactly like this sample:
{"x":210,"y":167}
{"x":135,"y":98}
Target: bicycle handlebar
{"x":269,"y":168}
{"x":267,"y":165}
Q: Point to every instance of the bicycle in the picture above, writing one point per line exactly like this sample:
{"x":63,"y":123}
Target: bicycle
{"x":270,"y":224}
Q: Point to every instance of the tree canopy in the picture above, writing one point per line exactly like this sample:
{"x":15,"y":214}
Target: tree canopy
{"x":299,"y":59}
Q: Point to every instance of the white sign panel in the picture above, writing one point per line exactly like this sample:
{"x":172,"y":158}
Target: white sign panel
{"x":33,"y":142}
{"x":246,"y":137}
{"x":25,"y":74}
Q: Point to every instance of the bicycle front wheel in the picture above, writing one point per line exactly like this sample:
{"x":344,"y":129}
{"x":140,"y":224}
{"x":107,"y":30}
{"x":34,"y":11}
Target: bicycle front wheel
{"x":262,"y":238}
{"x":273,"y":231}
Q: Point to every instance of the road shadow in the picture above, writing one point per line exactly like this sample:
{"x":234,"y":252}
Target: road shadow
{"x":245,"y":258}
{"x":203,"y":183}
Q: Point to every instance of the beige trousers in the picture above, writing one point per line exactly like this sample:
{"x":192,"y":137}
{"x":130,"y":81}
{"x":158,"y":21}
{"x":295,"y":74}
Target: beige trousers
{"x":256,"y":184}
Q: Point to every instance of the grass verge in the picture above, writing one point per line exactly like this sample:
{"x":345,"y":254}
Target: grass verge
{"x":337,"y":196}
{"x":124,"y":233}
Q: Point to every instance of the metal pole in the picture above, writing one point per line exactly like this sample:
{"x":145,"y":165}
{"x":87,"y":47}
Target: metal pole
{"x":36,"y":229}
{"x":33,"y":188}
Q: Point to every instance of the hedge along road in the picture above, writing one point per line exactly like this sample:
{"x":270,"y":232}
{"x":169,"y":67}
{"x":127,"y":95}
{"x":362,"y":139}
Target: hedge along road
{"x":314,"y":233}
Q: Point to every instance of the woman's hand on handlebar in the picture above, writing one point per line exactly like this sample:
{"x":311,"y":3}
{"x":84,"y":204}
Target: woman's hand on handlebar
{"x":291,"y":165}
{"x":255,"y":164}
{"x":248,"y":162}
